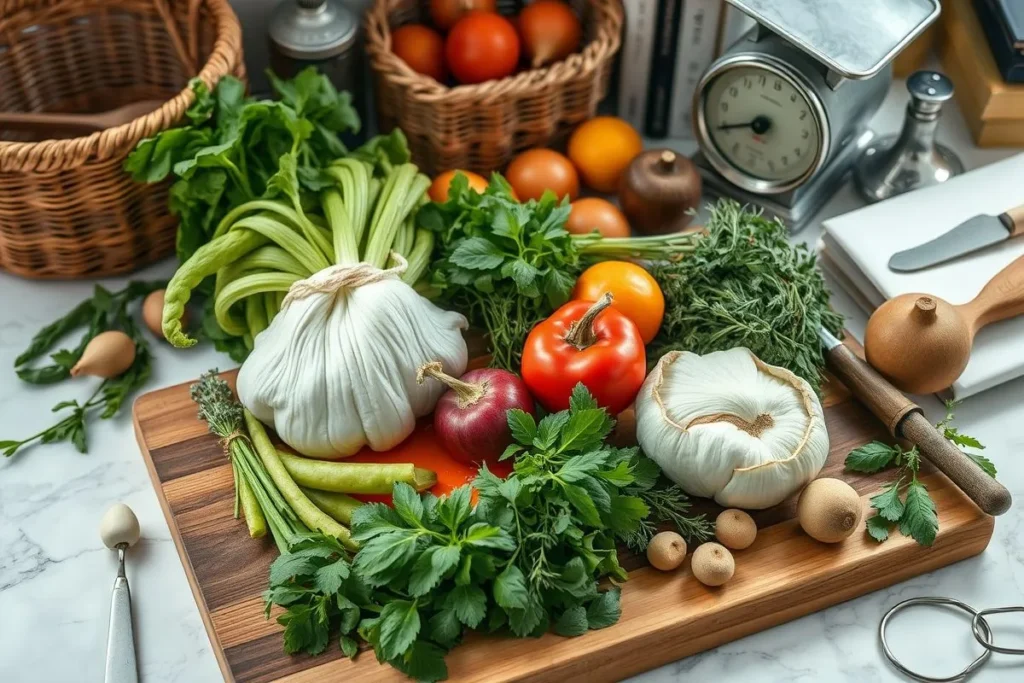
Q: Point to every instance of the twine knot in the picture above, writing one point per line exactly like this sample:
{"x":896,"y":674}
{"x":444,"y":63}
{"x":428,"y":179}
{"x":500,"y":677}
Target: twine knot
{"x":226,"y":442}
{"x":351,"y":275}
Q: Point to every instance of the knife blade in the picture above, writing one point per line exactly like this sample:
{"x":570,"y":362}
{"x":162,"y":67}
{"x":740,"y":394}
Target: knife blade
{"x":973,"y":234}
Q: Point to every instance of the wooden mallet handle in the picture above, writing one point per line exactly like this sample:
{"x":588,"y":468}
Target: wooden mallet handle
{"x":905,"y":420}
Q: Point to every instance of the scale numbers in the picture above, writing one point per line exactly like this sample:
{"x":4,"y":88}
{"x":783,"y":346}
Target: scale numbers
{"x":762,"y":124}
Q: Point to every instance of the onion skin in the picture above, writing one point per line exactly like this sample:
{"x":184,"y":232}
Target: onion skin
{"x":550,"y":31}
{"x":470,"y":419}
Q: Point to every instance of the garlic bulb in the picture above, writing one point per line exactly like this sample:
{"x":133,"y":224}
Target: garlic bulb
{"x":336,"y":369}
{"x":730,"y":427}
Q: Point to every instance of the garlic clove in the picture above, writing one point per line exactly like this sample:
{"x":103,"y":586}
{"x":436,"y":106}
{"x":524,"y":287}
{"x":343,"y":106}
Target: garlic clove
{"x":119,"y":525}
{"x":107,"y":355}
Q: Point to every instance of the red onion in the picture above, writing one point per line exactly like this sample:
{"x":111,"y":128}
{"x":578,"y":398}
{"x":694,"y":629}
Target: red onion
{"x":470,"y":418}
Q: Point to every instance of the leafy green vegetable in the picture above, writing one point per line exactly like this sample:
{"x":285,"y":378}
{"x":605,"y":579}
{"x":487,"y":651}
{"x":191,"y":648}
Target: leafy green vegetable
{"x":905,"y":502}
{"x":525,"y":560}
{"x":229,"y":152}
{"x":744,"y":284}
{"x":508,"y":265}
{"x":104,"y":311}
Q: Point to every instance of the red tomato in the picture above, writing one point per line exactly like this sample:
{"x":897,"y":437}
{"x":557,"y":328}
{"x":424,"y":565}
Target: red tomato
{"x":445,"y":13}
{"x":537,"y":170}
{"x":482,"y":46}
{"x":422,"y":49}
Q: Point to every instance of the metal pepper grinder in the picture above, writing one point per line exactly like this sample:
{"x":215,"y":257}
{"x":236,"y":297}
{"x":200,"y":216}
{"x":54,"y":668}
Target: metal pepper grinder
{"x":320,"y":33}
{"x":895,"y":164}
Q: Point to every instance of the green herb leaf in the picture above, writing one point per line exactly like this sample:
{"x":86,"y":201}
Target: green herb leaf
{"x":888,"y":502}
{"x":980,"y":460}
{"x":423,"y":662}
{"x":348,"y":646}
{"x":430,"y":568}
{"x":585,"y":429}
{"x":604,"y":610}
{"x":407,"y":503}
{"x":522,"y":425}
{"x":583,"y":504}
{"x":328,"y":578}
{"x":549,"y":428}
{"x":510,"y":588}
{"x":919,"y":520}
{"x":469,"y":604}
{"x":399,"y":626}
{"x":477,"y":253}
{"x":573,"y":622}
{"x":872,"y":457}
{"x":878,"y":527}
{"x":445,"y":627}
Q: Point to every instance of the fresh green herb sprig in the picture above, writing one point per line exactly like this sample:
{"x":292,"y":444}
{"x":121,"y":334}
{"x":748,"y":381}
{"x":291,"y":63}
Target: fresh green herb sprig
{"x":744,"y":284}
{"x":668,"y":504}
{"x":527,"y":559}
{"x":102,"y":312}
{"x":508,"y":265}
{"x":905,"y":502}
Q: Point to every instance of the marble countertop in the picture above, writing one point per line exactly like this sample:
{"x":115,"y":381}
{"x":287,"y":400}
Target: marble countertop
{"x":55,"y":574}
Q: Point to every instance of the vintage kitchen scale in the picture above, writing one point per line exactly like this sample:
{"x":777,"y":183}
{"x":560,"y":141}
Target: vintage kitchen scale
{"x":782,"y":115}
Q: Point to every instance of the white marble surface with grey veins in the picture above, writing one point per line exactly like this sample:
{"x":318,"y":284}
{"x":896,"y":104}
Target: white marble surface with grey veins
{"x":55,"y":574}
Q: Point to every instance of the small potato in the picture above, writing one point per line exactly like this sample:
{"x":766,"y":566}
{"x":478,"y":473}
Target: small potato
{"x":666,"y":551}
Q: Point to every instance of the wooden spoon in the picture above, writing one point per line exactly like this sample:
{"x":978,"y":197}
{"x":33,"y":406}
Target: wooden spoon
{"x":86,"y":123}
{"x":922,"y":343}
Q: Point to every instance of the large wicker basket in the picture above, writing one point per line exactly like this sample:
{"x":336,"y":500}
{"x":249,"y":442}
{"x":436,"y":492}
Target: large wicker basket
{"x":481,"y":127}
{"x":67,"y":209}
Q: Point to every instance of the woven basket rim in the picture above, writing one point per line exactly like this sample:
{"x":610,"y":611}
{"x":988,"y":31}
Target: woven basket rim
{"x":605,"y":43}
{"x":69,"y":153}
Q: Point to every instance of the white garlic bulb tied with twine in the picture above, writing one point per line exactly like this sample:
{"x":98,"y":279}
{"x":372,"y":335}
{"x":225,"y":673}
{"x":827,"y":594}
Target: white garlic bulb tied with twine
{"x":730,"y":427}
{"x":336,"y":369}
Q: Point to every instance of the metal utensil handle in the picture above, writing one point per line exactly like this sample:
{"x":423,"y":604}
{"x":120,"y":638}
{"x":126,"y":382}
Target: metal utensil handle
{"x":121,"y":667}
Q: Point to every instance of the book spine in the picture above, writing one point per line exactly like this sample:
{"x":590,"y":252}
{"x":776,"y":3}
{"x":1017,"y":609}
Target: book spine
{"x":734,"y":24}
{"x":659,"y":92}
{"x":635,"y":69}
{"x":698,"y":35}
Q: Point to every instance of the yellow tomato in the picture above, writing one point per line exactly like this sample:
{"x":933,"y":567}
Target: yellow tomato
{"x":438,"y":191}
{"x":635,"y":293}
{"x":601,"y":149}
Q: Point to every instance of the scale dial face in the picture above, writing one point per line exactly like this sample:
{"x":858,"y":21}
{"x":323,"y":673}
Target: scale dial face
{"x":760,"y":126}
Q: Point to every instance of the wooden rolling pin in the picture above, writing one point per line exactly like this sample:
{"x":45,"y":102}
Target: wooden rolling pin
{"x":905,"y":420}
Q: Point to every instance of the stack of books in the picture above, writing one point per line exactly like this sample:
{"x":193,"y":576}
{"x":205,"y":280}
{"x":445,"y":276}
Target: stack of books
{"x":666,"y":47}
{"x":993,"y":108}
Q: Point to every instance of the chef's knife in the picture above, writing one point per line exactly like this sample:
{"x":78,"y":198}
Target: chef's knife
{"x":971,"y":235}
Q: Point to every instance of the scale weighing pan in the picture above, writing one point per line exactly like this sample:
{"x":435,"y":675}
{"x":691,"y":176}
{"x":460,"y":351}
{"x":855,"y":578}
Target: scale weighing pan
{"x":853,"y":38}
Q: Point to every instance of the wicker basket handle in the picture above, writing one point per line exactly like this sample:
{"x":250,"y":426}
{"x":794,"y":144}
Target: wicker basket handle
{"x":187,"y":57}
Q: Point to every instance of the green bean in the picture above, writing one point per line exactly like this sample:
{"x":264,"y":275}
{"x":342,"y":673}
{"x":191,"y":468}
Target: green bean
{"x":243,"y":287}
{"x":419,"y":257}
{"x":337,"y":505}
{"x":206,"y":261}
{"x":254,"y":518}
{"x":312,"y":516}
{"x":355,"y":477}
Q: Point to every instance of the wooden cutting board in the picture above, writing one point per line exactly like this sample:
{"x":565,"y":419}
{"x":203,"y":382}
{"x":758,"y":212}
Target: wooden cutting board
{"x":665,"y":617}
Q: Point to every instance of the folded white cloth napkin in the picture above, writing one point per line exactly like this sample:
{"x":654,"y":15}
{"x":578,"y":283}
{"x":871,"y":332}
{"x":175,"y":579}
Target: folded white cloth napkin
{"x":856,"y":247}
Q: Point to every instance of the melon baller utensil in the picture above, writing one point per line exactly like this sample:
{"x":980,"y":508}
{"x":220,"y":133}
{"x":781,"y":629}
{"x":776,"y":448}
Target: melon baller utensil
{"x":119,"y":530}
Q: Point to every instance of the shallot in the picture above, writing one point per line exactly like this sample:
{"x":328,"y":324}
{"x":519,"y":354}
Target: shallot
{"x":107,"y":355}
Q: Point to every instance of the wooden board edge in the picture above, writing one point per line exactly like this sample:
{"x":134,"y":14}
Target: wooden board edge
{"x":197,"y":594}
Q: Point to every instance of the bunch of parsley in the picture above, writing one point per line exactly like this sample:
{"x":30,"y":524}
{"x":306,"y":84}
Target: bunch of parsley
{"x":905,"y":502}
{"x":507,"y":265}
{"x":103,"y":311}
{"x":527,"y":559}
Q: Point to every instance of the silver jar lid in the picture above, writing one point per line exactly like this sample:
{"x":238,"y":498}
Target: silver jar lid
{"x":313,"y":29}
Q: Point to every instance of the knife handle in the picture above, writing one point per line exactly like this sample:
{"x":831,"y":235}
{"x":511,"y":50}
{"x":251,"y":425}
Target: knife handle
{"x":1001,"y":298}
{"x":1014,"y":220}
{"x":905,"y":420}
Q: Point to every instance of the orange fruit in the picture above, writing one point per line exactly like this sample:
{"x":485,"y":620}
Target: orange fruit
{"x":635,"y":293}
{"x":539,"y":169}
{"x":601,"y":149}
{"x":438,"y":191}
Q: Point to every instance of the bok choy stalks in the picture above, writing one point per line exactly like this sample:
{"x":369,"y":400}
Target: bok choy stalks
{"x":362,"y":212}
